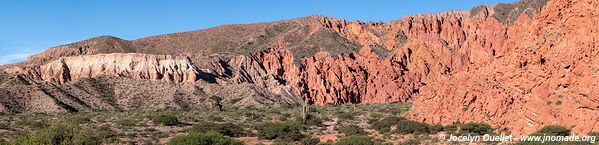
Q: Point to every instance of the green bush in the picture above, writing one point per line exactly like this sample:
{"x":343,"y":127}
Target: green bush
{"x":384,"y":125}
{"x":350,"y":130}
{"x":476,"y":128}
{"x":66,"y":134}
{"x":314,"y":121}
{"x":355,"y":140}
{"x":309,"y":141}
{"x":228,"y":129}
{"x":209,"y":138}
{"x":553,"y":130}
{"x":411,"y":127}
{"x":168,"y":120}
{"x":283,"y":131}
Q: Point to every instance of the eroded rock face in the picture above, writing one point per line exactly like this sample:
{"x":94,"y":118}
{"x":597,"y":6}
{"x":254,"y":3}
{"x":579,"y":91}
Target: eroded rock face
{"x":131,"y":65}
{"x":543,"y":73}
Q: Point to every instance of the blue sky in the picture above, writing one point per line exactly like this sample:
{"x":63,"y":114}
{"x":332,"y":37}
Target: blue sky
{"x":30,"y":26}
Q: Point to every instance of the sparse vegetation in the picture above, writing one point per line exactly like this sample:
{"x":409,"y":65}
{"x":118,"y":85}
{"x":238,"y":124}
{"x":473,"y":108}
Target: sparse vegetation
{"x":66,"y":134}
{"x":355,"y":140}
{"x":275,"y":125}
{"x":411,"y":127}
{"x":553,"y":130}
{"x":209,"y":138}
{"x":509,"y":12}
{"x":168,"y":120}
{"x":228,"y":129}
{"x":384,"y":125}
{"x":350,"y":130}
{"x":282,"y":131}
{"x":476,"y":128}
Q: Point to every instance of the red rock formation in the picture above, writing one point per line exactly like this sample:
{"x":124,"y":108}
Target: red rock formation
{"x":543,"y":72}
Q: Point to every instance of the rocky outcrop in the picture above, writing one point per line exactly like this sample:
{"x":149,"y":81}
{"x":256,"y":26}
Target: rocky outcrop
{"x":542,"y":73}
{"x":131,"y":65}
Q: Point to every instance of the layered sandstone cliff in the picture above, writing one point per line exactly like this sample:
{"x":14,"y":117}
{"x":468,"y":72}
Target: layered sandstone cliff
{"x":131,"y":65}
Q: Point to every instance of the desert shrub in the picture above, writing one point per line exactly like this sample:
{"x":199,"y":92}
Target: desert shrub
{"x":228,"y":129}
{"x":452,"y":128}
{"x":375,"y":115}
{"x":78,"y":119}
{"x":328,"y":142}
{"x":36,"y":124}
{"x":311,"y":120}
{"x":209,"y":138}
{"x":475,"y":128}
{"x":553,"y":130}
{"x":67,"y":134}
{"x":284,"y":117}
{"x":216,"y":118}
{"x":410,"y":141}
{"x":411,"y":127}
{"x":92,"y":135}
{"x":126,"y":122}
{"x":355,"y":140}
{"x":251,"y":115}
{"x":283,"y":142}
{"x":168,"y":120}
{"x":350,"y":130}
{"x":435,"y":128}
{"x":372,"y":120}
{"x":384,"y":125}
{"x":346,"y":115}
{"x":309,"y":141}
{"x":283,"y":131}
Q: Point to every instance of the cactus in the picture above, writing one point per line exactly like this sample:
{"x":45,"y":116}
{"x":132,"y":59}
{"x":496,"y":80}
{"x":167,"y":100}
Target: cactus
{"x":305,"y":111}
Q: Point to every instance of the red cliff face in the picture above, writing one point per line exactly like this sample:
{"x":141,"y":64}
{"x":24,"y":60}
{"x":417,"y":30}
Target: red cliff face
{"x":542,"y":71}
